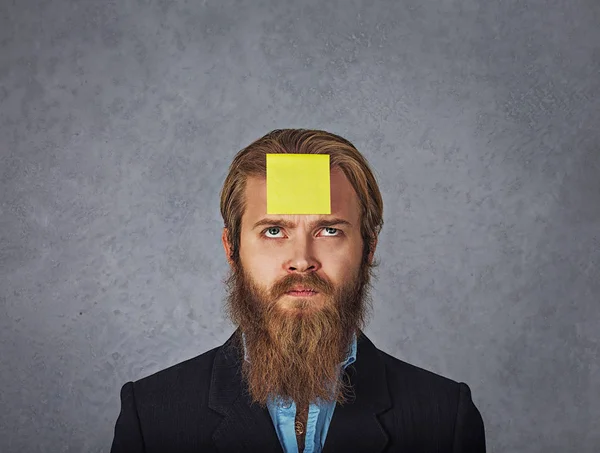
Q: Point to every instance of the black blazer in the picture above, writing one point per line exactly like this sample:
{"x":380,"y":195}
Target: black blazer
{"x":199,"y":406}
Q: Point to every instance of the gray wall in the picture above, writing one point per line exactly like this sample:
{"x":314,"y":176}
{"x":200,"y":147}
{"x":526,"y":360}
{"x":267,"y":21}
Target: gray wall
{"x":118,"y":121}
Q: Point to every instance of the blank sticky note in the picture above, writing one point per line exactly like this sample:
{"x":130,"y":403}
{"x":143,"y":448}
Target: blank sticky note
{"x":298,"y":184}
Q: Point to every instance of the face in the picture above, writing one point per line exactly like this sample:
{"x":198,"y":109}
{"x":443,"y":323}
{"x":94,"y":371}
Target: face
{"x":298,"y":292}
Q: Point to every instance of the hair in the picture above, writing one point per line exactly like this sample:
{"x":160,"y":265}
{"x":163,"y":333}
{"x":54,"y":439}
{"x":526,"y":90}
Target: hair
{"x":251,"y":161}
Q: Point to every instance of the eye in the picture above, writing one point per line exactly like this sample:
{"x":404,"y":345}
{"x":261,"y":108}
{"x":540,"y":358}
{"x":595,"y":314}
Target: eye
{"x":331,"y":231}
{"x":272,"y":230}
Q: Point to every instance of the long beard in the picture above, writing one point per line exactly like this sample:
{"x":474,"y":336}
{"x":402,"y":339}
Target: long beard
{"x":297,"y":353}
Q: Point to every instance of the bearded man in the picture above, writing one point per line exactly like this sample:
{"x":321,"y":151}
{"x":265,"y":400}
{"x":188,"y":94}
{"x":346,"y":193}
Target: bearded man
{"x":298,"y":374}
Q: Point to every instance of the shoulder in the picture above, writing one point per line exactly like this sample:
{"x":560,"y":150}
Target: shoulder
{"x":400,"y":369}
{"x":421,"y":387}
{"x":191,"y":375}
{"x":173,"y":400}
{"x":424,"y":402}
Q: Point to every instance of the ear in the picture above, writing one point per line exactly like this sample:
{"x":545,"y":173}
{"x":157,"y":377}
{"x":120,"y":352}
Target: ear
{"x":226,"y":246}
{"x":372,"y":252}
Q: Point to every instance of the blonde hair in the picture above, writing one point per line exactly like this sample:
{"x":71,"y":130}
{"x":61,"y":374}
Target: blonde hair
{"x":251,"y":161}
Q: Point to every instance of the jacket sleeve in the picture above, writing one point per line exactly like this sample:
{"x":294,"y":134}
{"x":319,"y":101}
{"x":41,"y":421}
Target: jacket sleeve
{"x":469,"y":433}
{"x":128,"y":433}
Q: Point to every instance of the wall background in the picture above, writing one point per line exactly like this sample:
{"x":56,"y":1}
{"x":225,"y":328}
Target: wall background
{"x":118,"y":121}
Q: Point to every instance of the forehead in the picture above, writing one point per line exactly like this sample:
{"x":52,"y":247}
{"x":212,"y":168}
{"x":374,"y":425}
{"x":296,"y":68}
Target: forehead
{"x":344,"y":201}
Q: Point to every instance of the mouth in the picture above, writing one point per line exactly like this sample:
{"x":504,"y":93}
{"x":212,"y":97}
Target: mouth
{"x":302,"y":292}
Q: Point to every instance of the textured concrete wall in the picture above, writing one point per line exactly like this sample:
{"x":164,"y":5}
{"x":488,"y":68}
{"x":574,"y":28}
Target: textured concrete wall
{"x":118,"y":121}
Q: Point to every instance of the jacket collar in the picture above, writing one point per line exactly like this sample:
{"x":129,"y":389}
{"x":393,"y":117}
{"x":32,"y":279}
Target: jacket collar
{"x":246,"y":427}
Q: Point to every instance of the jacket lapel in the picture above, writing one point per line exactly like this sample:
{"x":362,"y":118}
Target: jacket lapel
{"x":245,"y":427}
{"x":354,"y":426}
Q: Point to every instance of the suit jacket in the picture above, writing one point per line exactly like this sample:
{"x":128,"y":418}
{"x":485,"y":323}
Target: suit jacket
{"x":201,"y":406}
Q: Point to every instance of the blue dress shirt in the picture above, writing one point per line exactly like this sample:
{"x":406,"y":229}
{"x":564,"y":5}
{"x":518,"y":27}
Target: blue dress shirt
{"x":319,"y":416}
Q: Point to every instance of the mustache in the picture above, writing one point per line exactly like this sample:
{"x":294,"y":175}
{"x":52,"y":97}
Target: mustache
{"x":311,"y":280}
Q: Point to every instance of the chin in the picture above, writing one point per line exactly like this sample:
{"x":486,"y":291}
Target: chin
{"x":302,"y":305}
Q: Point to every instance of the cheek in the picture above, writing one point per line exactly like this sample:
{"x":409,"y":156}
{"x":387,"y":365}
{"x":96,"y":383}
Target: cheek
{"x":261,"y":267}
{"x":342,"y":268}
{"x":251,"y":252}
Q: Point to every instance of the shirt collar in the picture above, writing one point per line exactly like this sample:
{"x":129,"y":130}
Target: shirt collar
{"x":350,"y":357}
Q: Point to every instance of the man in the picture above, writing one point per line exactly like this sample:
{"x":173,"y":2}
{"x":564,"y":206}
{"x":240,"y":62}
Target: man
{"x":298,"y":374}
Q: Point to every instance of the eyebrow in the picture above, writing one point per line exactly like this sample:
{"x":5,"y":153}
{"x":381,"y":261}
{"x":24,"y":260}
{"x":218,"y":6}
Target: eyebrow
{"x":292,"y":225}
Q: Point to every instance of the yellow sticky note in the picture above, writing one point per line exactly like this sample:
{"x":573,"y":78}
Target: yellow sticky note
{"x":298,"y":184}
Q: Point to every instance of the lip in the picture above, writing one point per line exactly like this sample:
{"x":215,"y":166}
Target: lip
{"x":302,"y":288}
{"x":302,"y":292}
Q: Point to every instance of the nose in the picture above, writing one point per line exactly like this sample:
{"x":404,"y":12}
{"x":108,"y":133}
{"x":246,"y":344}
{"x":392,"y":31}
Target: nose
{"x":301,"y":266}
{"x":302,"y":259}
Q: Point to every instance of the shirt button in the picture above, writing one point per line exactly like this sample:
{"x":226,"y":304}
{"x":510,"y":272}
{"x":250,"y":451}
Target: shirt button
{"x":286,"y":405}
